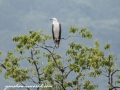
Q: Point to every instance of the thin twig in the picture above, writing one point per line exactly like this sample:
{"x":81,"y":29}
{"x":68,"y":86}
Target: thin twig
{"x":119,"y":46}
{"x":2,"y":65}
{"x":70,"y":36}
{"x":70,"y":71}
{"x":47,"y":46}
{"x":53,"y":49}
{"x":105,"y":75}
{"x":33,"y":81}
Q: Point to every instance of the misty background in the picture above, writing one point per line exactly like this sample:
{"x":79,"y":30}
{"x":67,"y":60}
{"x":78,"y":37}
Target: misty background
{"x":101,"y":17}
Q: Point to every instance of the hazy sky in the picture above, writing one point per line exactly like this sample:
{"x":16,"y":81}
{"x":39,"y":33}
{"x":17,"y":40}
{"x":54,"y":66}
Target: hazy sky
{"x":101,"y":17}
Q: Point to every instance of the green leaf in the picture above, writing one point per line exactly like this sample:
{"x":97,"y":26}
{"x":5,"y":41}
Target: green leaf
{"x":97,"y":44}
{"x":0,"y":70}
{"x":73,"y":29}
{"x":0,"y":52}
{"x":106,"y":46}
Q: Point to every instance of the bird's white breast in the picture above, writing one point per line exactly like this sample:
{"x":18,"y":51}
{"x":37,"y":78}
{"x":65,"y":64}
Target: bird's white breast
{"x":56,"y":30}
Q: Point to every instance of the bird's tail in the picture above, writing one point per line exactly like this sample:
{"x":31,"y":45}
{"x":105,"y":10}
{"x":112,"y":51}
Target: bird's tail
{"x":57,"y":43}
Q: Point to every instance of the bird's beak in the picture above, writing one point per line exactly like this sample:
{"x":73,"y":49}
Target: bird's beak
{"x":51,"y":19}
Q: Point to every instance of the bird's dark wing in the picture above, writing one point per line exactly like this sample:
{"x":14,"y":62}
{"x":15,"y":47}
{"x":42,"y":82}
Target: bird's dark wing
{"x":53,"y":31}
{"x":59,"y":32}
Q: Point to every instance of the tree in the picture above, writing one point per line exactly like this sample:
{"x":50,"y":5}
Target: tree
{"x":71,"y":72}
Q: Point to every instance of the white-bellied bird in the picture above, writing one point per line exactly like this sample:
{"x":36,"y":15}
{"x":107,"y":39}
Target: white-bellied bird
{"x":56,"y":31}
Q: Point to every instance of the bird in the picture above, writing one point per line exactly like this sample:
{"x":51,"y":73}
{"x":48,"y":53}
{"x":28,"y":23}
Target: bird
{"x":56,"y":31}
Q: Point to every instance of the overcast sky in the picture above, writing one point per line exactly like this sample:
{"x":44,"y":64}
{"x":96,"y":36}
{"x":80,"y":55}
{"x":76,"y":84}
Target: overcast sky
{"x":101,"y":17}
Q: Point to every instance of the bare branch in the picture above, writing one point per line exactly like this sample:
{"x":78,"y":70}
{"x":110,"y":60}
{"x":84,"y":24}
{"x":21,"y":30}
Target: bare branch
{"x":60,"y":84}
{"x":110,"y":78}
{"x":51,"y":55}
{"x":114,"y":87}
{"x":2,"y":65}
{"x":53,"y":49}
{"x":70,"y":36}
{"x":64,"y":59}
{"x":35,"y":67}
{"x":109,"y":72}
{"x":112,"y":75}
{"x":33,"y":81}
{"x":47,"y":46}
{"x":70,"y":71}
{"x":119,"y":46}
{"x":105,"y":75}
{"x":41,"y":73}
{"x":114,"y":72}
{"x":25,"y":85}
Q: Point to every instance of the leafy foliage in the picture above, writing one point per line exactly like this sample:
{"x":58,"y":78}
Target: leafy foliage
{"x":81,"y":62}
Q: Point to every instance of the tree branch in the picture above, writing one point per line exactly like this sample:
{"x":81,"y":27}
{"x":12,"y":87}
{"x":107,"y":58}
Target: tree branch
{"x":47,"y":46}
{"x":36,"y":68}
{"x":51,"y":55}
{"x":70,"y":36}
{"x":60,"y":84}
{"x":112,"y":75}
{"x":70,"y":71}
{"x":2,"y":65}
{"x":105,"y":75}
{"x":114,"y":87}
{"x":25,"y":85}
{"x":109,"y":72}
{"x":33,"y":81}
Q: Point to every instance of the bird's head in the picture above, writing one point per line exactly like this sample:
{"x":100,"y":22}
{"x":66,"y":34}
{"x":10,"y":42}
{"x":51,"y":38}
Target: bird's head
{"x":53,"y":19}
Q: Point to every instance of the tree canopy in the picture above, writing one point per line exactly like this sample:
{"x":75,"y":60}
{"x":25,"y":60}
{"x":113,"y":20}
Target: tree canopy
{"x":78,"y":70}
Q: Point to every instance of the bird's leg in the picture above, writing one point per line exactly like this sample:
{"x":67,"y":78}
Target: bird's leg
{"x":57,"y":39}
{"x":54,"y":40}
